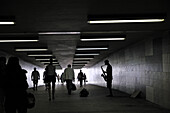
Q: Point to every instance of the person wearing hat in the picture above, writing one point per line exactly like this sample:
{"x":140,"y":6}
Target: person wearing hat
{"x":109,"y":77}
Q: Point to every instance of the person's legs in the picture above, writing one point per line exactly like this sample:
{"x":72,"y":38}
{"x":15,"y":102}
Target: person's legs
{"x":49,"y":90}
{"x":84,"y":82}
{"x":69,"y":85}
{"x":81,"y":82}
{"x":109,"y":86}
{"x":110,"y":89}
{"x":53,"y":90}
{"x":33,"y":85}
{"x":36,"y":84}
{"x":46,"y":86}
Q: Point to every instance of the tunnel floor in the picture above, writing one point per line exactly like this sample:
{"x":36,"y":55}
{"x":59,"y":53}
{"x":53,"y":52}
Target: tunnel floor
{"x":96,"y":102}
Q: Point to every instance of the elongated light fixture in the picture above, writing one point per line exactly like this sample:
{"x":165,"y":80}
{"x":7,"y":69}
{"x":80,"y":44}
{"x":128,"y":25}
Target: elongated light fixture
{"x":7,"y":20}
{"x":125,"y":21}
{"x":49,"y":62}
{"x":126,"y":18}
{"x":40,"y":55}
{"x":88,"y":54}
{"x":59,"y":33}
{"x":101,"y":39}
{"x":20,"y":49}
{"x":87,"y":58}
{"x":80,"y":61}
{"x":78,"y":64}
{"x":43,"y":59}
{"x":91,"y":48}
{"x":18,"y":40}
{"x":7,"y":23}
{"x":55,"y":64}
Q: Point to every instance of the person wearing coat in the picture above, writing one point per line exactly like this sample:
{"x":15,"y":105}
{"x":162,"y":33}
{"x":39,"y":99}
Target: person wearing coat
{"x":69,"y":76}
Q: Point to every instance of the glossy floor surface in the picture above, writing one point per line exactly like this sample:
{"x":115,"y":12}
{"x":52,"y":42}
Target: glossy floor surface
{"x":96,"y":102}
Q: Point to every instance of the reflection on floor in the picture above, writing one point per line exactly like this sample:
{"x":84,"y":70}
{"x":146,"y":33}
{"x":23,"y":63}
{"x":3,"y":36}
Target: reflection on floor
{"x":96,"y":102}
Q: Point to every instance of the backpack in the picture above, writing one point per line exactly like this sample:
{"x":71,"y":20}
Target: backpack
{"x":50,"y":70}
{"x":73,"y":87}
{"x":84,"y":93}
{"x":30,"y":100}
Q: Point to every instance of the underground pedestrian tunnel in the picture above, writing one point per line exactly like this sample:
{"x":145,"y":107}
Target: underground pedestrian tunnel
{"x":133,"y":35}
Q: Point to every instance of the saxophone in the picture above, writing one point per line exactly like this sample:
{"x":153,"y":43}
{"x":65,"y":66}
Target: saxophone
{"x":103,"y":75}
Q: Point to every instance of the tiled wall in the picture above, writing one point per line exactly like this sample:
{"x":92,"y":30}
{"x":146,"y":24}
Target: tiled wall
{"x":144,"y":66}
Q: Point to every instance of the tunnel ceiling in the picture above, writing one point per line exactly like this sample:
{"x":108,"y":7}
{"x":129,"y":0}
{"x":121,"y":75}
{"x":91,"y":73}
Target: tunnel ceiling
{"x":65,"y":21}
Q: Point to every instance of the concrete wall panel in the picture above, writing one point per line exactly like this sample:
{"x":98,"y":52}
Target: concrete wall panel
{"x":143,"y":66}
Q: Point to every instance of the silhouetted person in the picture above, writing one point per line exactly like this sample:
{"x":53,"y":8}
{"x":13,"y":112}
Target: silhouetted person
{"x":45,"y":80}
{"x":80,"y":77}
{"x":68,"y":77}
{"x":51,"y":77}
{"x":15,"y":87}
{"x":84,"y":78}
{"x":62,"y":78}
{"x":58,"y":78}
{"x":108,"y":78}
{"x":35,"y":76}
{"x":2,"y":78}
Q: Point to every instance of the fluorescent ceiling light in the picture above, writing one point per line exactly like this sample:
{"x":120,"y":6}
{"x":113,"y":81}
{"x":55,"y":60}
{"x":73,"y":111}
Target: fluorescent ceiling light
{"x":124,"y":21}
{"x":101,"y":39}
{"x":43,"y":59}
{"x":78,"y":64}
{"x":18,"y":40}
{"x":40,"y":55}
{"x":49,"y":62}
{"x":83,"y":58}
{"x":82,"y":54}
{"x":59,"y":33}
{"x":7,"y":23}
{"x":80,"y":61}
{"x":91,"y":48}
{"x":56,"y":64}
{"x":31,"y":49}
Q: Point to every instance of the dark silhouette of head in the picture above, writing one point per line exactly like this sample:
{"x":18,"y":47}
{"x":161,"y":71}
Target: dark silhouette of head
{"x":13,"y":63}
{"x":68,"y":65}
{"x":106,"y":62}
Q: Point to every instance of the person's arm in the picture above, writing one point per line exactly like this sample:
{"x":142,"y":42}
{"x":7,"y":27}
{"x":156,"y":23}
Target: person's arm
{"x":73,"y":76}
{"x":64,"y":75}
{"x":38,"y":75}
{"x":32,"y":76}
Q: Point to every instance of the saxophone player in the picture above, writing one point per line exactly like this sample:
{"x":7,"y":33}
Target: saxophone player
{"x":108,"y":77}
